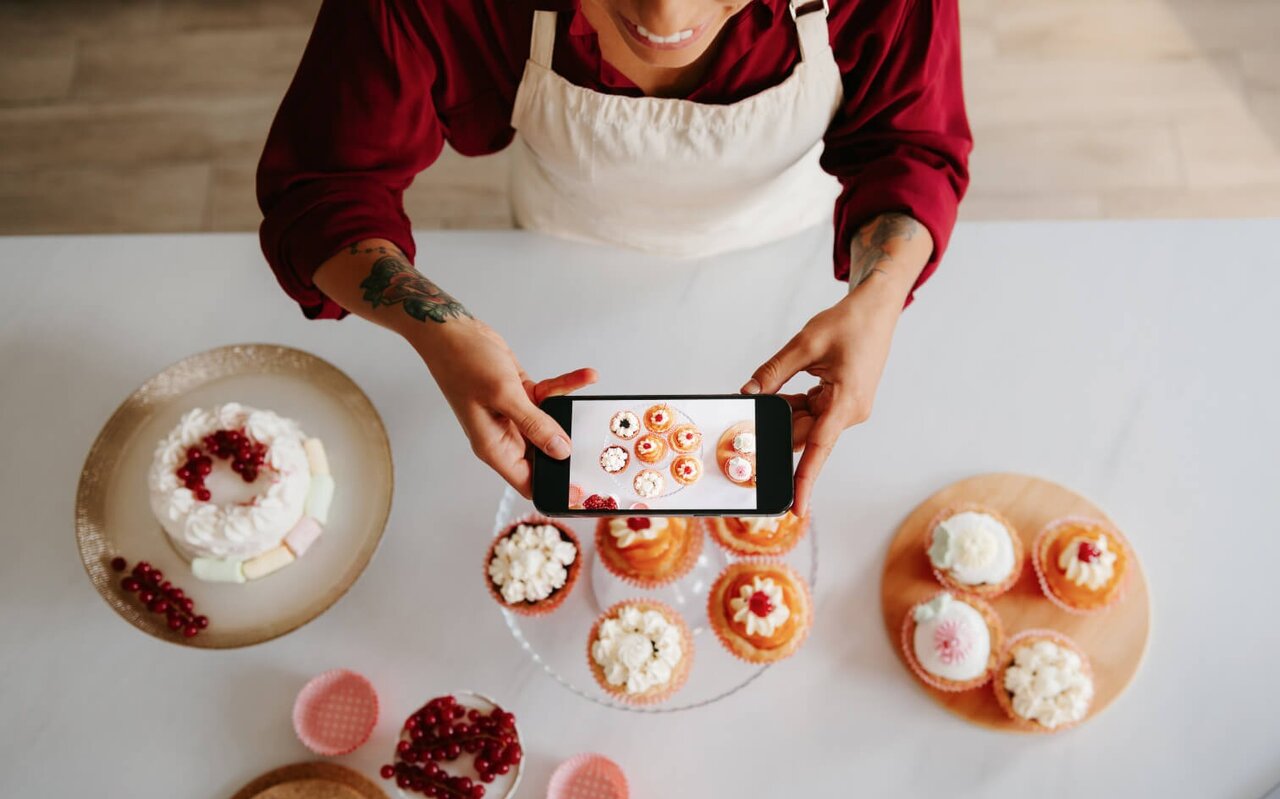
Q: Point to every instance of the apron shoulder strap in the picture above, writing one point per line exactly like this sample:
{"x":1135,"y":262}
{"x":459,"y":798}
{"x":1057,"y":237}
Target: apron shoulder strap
{"x":543,"y":41}
{"x":811,"y":26}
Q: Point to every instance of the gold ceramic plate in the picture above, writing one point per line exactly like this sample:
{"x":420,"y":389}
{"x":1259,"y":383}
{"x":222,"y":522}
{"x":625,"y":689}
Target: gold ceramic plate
{"x":113,"y":513}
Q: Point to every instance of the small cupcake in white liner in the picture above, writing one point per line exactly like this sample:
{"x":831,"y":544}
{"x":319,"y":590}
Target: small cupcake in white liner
{"x":648,"y":483}
{"x":1044,"y":682}
{"x":531,"y":567}
{"x":975,"y":550}
{"x":640,"y":651}
{"x":951,"y":643}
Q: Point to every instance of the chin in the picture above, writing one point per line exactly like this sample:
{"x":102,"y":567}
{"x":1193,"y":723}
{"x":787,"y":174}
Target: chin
{"x":665,"y":59}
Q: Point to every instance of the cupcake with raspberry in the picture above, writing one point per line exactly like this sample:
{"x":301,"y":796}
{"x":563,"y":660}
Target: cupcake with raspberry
{"x":975,"y":550}
{"x":648,"y":484}
{"x":531,"y":567}
{"x":1043,"y":681}
{"x":648,"y":551}
{"x":1081,"y":564}
{"x":625,"y":425}
{"x":640,"y":651}
{"x":760,"y":610}
{"x":769,"y":536}
{"x":650,"y":448}
{"x":686,"y":438}
{"x":614,"y":459}
{"x":659,"y":418}
{"x":686,"y":469}
{"x":951,"y":642}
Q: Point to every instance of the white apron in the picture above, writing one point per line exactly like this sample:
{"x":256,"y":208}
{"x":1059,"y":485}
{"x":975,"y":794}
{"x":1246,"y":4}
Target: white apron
{"x":669,"y":176}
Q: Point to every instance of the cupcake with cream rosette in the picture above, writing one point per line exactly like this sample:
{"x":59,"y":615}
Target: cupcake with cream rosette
{"x":1043,"y":681}
{"x":531,"y":567}
{"x":640,"y":651}
{"x":760,"y":610}
{"x":952,"y":643}
{"x":686,"y":438}
{"x":975,"y":550}
{"x":686,"y":469}
{"x":648,"y":484}
{"x":1081,"y":564}
{"x":625,"y":425}
{"x":650,"y":448}
{"x":758,"y":535}
{"x":648,"y":551}
{"x":614,"y":459}
{"x":659,"y":418}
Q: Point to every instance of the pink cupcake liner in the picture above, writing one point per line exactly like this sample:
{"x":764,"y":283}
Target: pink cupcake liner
{"x":994,"y":626}
{"x":688,"y":559}
{"x":1046,"y":536}
{"x":335,"y":712}
{"x":588,"y":776}
{"x":986,"y":590}
{"x":1006,"y":658}
{"x":713,"y":528}
{"x":722,"y":635}
{"x":677,"y":680}
{"x":557,"y":598}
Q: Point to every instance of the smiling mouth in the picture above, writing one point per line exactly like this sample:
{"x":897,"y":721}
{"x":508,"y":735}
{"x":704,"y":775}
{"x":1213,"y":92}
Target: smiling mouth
{"x":672,"y":41}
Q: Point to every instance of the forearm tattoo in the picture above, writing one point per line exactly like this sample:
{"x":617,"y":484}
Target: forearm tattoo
{"x":393,"y":280}
{"x":870,"y":244}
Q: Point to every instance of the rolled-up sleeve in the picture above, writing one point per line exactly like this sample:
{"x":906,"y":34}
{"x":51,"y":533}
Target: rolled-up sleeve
{"x":900,"y":141}
{"x":355,"y":127}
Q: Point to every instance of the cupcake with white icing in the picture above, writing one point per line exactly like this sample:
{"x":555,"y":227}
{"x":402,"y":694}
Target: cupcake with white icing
{"x":1044,"y":682}
{"x":640,"y":651}
{"x":531,"y":567}
{"x":952,"y":642}
{"x":625,"y":425}
{"x":974,"y":550}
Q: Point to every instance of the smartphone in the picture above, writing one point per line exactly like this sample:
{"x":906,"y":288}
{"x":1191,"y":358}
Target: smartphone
{"x":663,"y":455}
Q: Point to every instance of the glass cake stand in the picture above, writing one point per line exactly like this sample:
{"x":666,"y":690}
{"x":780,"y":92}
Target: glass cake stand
{"x":558,"y":640}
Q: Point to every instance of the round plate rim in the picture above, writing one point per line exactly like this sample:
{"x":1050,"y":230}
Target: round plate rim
{"x":89,"y":525}
{"x":312,"y":769}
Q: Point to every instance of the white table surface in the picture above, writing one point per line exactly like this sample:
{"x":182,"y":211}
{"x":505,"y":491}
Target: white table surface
{"x":1135,"y":362}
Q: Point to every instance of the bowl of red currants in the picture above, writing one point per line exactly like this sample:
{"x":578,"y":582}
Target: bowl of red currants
{"x":458,"y":746}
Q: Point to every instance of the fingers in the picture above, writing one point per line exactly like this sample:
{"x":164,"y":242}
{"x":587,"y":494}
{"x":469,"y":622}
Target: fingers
{"x":540,"y":429}
{"x":823,"y":434}
{"x":500,"y":446}
{"x":801,"y":427}
{"x":775,"y":372}
{"x":566,"y":383}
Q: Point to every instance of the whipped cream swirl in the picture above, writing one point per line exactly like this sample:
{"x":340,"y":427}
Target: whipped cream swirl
{"x":629,"y":531}
{"x":1048,"y":684}
{"x":759,"y":617}
{"x":1093,"y":573}
{"x":531,"y":563}
{"x":638,"y":649}
{"x":975,"y":548}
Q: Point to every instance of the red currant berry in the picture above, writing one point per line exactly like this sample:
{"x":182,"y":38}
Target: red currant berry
{"x":190,"y":631}
{"x":403,"y":746}
{"x":118,"y":564}
{"x":201,"y":622}
{"x":1089,"y":552}
{"x":130,"y":584}
{"x":203,"y":494}
{"x":760,"y":604}
{"x":158,"y":605}
{"x":387,"y":772}
{"x":204,"y":468}
{"x":175,"y":622}
{"x":146,"y":595}
{"x":402,"y":781}
{"x":477,"y":792}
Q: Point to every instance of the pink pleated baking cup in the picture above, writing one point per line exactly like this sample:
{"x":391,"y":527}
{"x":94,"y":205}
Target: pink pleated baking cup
{"x":1006,"y":659}
{"x":588,"y":776}
{"x":335,"y":712}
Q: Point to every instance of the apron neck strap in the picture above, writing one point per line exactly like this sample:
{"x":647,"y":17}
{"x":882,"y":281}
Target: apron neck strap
{"x":543,"y":41}
{"x":811,"y":27}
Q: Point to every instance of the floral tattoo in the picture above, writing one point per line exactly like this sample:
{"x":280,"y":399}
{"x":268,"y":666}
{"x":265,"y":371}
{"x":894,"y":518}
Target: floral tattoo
{"x":869,"y":243}
{"x":393,"y":280}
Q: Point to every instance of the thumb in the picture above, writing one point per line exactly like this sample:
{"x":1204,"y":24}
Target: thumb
{"x":536,"y":426}
{"x":775,"y":372}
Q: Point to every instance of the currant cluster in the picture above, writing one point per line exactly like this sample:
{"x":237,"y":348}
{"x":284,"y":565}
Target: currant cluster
{"x":442,"y":730}
{"x":161,"y":596}
{"x":597,"y":502}
{"x":247,"y":456}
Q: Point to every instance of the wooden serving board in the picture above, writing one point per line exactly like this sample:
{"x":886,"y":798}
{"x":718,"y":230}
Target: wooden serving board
{"x":1115,"y":640}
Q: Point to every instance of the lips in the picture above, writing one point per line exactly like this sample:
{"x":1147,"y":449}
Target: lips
{"x":671,"y":41}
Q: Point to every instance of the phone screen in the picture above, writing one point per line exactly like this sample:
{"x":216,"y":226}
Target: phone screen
{"x":677,"y":454}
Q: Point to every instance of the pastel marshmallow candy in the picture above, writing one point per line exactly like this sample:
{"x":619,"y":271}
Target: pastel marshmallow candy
{"x":316,"y":459}
{"x":303,"y":535}
{"x":319,"y":497}
{"x":215,"y":570}
{"x":273,"y":560}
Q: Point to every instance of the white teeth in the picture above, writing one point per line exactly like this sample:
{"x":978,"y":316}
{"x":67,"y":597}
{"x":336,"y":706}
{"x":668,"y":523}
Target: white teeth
{"x":679,"y":36}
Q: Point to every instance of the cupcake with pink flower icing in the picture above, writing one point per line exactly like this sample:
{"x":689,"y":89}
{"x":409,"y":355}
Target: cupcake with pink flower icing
{"x":952,"y":642}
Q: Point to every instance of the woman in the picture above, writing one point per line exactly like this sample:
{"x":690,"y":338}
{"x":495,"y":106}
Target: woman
{"x":680,"y":127}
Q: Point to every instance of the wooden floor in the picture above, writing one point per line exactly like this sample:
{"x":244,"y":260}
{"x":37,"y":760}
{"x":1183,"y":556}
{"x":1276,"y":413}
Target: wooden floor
{"x":148,"y":115}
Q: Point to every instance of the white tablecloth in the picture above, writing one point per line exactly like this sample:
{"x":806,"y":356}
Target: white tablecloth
{"x":1135,"y":362}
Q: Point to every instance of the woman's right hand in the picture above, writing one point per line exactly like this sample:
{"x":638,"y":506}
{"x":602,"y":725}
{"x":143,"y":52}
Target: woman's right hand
{"x":495,"y":401}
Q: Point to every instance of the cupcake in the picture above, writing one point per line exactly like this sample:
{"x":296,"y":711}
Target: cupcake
{"x":625,"y":425}
{"x":531,"y":567}
{"x":1081,"y":564}
{"x":647,"y":483}
{"x":686,"y":438}
{"x":974,"y":550}
{"x":640,"y":651}
{"x":614,"y":459}
{"x":650,"y":448}
{"x":686,"y":469}
{"x":761,"y":611}
{"x":736,"y":454}
{"x":1043,"y":681}
{"x":648,"y":551}
{"x":659,"y":418}
{"x":952,"y":643}
{"x":758,"y":535}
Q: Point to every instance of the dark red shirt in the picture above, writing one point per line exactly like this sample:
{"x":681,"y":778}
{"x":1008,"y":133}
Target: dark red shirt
{"x":383,"y":84}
